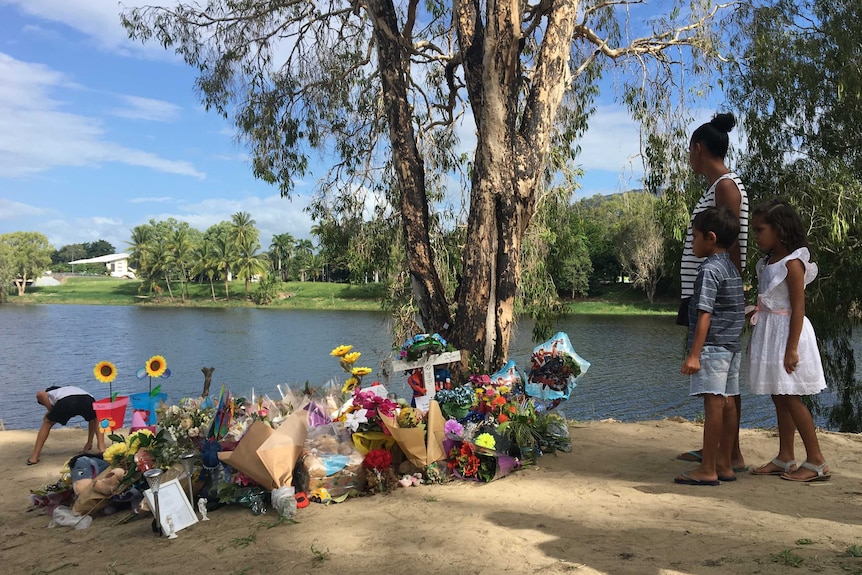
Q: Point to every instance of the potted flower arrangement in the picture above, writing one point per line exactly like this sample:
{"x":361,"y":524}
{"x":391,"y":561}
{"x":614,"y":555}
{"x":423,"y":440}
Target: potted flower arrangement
{"x":111,"y":410}
{"x":144,"y":403}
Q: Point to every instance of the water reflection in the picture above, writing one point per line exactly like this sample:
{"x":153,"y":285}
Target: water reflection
{"x":634,"y":374}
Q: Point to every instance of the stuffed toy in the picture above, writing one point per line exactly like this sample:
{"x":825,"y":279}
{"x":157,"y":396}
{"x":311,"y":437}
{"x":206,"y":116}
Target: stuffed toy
{"x":84,"y":469}
{"x":108,"y":484}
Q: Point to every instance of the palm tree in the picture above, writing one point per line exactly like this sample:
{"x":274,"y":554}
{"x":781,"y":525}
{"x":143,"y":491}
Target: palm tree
{"x":142,"y":237}
{"x":180,"y":249}
{"x":250,"y":263}
{"x":316,"y":266}
{"x":224,"y":258}
{"x":303,"y":251}
{"x":281,"y":248}
{"x":206,"y":264}
{"x":160,"y":262}
{"x":243,"y":232}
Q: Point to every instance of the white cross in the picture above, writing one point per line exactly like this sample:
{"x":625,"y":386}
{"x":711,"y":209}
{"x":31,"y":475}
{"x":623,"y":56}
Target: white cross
{"x":426,"y":364}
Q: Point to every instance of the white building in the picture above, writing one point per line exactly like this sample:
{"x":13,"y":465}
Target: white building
{"x":117,"y":264}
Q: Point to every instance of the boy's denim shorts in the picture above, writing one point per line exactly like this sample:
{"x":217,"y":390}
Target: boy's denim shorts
{"x":719,"y":372}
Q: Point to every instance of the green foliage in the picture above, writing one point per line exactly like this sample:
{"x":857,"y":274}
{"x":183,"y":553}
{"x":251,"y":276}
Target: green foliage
{"x":267,"y":290}
{"x":639,"y":241}
{"x":798,"y":86}
{"x":788,"y":558}
{"x":24,"y":256}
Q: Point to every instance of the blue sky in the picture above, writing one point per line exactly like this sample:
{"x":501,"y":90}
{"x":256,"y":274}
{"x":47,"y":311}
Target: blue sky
{"x":99,"y":134}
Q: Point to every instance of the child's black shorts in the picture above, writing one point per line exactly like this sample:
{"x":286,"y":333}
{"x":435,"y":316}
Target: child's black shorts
{"x":70,"y":406}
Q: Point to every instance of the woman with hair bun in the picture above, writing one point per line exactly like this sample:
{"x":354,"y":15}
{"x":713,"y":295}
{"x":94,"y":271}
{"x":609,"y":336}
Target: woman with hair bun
{"x":707,"y":151}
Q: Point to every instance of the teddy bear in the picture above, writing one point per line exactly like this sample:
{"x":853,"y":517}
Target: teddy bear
{"x":105,"y":484}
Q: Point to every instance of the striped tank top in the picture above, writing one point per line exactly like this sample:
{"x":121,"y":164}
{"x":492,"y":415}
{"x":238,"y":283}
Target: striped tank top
{"x":690,"y":263}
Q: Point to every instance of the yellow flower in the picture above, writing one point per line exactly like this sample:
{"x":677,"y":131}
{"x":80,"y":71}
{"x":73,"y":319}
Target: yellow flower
{"x":341,"y":350}
{"x":349,"y":385}
{"x":156,"y":366}
{"x":486,"y":440}
{"x":115,"y":453}
{"x":351,"y":357}
{"x":360,"y":371}
{"x":134,"y":440}
{"x":105,"y":371}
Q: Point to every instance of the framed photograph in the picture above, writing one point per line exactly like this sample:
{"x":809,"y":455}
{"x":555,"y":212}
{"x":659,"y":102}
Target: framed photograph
{"x":173,"y":501}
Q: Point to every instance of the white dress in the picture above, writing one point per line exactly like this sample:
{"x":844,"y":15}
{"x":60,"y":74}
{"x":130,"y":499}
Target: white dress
{"x":766,"y":373}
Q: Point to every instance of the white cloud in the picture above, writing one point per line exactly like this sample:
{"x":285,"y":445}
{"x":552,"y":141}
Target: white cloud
{"x":138,"y":108}
{"x":10,"y":210}
{"x":145,"y":200}
{"x":611,"y":142}
{"x":98,"y":19}
{"x":35,"y":135}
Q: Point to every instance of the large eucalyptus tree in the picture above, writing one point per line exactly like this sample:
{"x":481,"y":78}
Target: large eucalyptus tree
{"x":384,"y":86}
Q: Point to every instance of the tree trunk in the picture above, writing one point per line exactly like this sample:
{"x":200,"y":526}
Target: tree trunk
{"x":427,"y":288}
{"x":168,"y":283}
{"x":510,"y":160}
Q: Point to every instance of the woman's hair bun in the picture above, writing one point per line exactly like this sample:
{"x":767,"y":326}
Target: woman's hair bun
{"x":723,"y":122}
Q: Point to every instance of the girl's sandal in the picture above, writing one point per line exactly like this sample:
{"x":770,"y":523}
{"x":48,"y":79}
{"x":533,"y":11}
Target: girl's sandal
{"x":820,"y":470}
{"x":784,"y":467}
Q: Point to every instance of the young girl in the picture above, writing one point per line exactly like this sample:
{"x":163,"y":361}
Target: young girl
{"x":783,"y":356}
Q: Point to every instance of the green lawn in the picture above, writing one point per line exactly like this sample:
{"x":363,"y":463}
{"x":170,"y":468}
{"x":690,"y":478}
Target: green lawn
{"x":617,"y":299}
{"x":621,"y":299}
{"x":113,"y":291}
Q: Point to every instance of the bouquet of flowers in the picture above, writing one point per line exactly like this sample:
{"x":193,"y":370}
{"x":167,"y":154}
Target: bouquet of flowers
{"x":141,"y":451}
{"x":186,"y":424}
{"x":379,"y":474}
{"x":363,"y":413}
{"x":469,"y":461}
{"x":456,"y":402}
{"x":534,"y":431}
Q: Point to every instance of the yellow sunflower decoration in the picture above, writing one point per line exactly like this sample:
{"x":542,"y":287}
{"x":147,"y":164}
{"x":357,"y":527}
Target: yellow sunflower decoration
{"x":350,"y":358}
{"x":156,"y":366}
{"x":105,"y":371}
{"x":341,"y":350}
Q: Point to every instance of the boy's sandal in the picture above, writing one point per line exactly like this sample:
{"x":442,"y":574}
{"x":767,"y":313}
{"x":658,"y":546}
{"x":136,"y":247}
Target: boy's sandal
{"x":783,"y":467}
{"x":818,"y":469}
{"x":32,"y":462}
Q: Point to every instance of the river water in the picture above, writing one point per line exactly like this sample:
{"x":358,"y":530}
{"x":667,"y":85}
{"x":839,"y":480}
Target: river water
{"x":634,"y":374}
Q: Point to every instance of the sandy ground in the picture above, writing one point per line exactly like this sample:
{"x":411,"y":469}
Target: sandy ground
{"x":609,"y":506}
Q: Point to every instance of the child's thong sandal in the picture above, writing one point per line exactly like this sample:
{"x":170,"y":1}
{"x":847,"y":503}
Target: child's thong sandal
{"x":783,"y":467}
{"x":818,"y":469}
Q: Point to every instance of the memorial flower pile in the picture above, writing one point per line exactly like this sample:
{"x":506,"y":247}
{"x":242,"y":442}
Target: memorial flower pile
{"x":250,"y":451}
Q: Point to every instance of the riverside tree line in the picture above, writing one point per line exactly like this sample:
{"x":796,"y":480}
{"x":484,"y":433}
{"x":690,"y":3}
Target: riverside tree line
{"x":589,"y":249}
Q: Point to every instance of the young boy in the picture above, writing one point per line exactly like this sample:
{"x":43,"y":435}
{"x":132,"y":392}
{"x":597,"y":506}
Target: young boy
{"x":716,"y":317}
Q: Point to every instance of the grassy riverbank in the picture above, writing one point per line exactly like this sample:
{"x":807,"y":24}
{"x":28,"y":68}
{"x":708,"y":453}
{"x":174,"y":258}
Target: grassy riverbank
{"x":619,"y":299}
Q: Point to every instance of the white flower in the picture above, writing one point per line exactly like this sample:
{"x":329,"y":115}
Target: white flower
{"x":354,"y":418}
